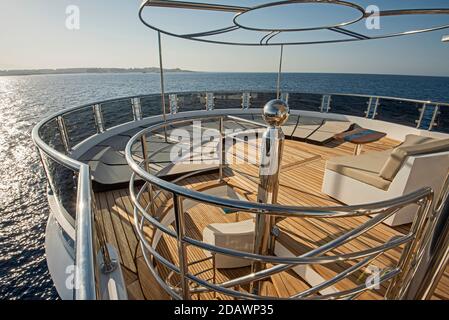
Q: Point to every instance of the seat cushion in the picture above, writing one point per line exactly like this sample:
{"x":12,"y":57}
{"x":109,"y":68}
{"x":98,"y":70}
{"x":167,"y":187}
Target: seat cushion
{"x":412,"y":146}
{"x":364,"y":168}
{"x":237,"y":236}
{"x":289,"y":129}
{"x":328,"y":130}
{"x":306,"y":126}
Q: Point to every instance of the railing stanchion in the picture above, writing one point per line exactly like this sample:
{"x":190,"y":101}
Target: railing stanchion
{"x":222,"y":155}
{"x":275,"y":114}
{"x":146,"y":163}
{"x":64,"y":134}
{"x":161,"y":71}
{"x":436,"y":112}
{"x":278,"y":87}
{"x":136,"y":108}
{"x":98,"y":115}
{"x":182,"y":249}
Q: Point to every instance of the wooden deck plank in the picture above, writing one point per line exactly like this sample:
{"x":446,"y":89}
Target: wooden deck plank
{"x":125,"y":249}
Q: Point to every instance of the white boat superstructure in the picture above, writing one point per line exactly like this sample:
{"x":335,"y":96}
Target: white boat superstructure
{"x":249,"y":195}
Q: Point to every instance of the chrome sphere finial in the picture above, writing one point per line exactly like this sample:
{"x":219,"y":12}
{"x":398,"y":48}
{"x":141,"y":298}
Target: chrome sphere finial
{"x":276,"y":112}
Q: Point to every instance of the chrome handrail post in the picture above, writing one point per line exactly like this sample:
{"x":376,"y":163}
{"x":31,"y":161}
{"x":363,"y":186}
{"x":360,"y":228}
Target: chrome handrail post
{"x":64,"y":134}
{"x":98,"y":116}
{"x":161,"y":72}
{"x":85,"y":284}
{"x":146,"y":163}
{"x":325,"y":103}
{"x":246,"y":100}
{"x":222,"y":150}
{"x":421,"y":116}
{"x":376,"y":106}
{"x":278,"y":87}
{"x":182,"y":249}
{"x":136,"y":108}
{"x":436,"y":112}
{"x":275,"y":114}
{"x":145,"y":151}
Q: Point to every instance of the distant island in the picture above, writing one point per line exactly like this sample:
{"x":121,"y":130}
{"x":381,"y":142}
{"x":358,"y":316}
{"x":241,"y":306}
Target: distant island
{"x":85,"y":70}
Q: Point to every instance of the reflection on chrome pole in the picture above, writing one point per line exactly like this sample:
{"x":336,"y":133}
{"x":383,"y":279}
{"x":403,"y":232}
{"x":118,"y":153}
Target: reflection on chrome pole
{"x":275,"y":114}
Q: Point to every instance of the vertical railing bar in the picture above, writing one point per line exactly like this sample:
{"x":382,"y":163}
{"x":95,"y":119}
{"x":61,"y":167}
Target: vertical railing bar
{"x":146,"y":163}
{"x":278,"y":91}
{"x":136,"y":108}
{"x":285,"y":96}
{"x":98,"y":115}
{"x":376,"y":105}
{"x":222,"y":150}
{"x":369,"y":107}
{"x":325,"y":103}
{"x":434,"y":116}
{"x":421,"y":116}
{"x":64,"y":134}
{"x":210,"y":101}
{"x":173,"y":103}
{"x":161,"y":71}
{"x":182,"y":250}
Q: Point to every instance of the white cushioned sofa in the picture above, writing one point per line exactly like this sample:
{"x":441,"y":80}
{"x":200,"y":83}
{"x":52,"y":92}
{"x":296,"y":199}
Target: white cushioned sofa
{"x":376,"y":176}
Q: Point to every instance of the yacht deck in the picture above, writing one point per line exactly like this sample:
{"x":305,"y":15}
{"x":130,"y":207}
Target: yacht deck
{"x":300,"y":184}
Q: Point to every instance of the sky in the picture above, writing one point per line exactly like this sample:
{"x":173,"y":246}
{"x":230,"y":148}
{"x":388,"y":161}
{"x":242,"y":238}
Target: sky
{"x":34,"y":35}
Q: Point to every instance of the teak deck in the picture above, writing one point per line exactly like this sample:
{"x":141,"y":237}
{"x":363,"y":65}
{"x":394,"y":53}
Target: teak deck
{"x":300,"y":184}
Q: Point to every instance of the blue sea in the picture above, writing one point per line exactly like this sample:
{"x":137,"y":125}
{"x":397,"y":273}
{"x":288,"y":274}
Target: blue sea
{"x":24,"y":100}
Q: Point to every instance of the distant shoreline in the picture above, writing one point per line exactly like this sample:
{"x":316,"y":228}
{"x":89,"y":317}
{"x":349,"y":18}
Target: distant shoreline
{"x":80,"y":71}
{"x":85,"y":71}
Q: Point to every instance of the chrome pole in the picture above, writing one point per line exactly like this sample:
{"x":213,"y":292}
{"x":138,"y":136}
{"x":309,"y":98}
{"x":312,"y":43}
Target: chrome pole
{"x":144,"y":144}
{"x":275,"y":114}
{"x":146,"y":162}
{"x":161,"y":71}
{"x":182,"y":250}
{"x":278,"y":92}
{"x":64,"y":134}
{"x":222,"y":150}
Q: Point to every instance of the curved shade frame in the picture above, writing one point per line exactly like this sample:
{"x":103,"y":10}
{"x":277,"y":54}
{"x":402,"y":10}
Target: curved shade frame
{"x":266,"y":40}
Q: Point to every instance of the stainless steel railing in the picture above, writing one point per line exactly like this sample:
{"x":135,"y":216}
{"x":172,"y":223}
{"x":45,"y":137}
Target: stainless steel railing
{"x":87,"y":232}
{"x":58,"y":135}
{"x":95,"y":117}
{"x":400,"y":275}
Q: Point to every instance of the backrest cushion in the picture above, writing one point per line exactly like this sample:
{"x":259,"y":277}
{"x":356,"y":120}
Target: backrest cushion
{"x":413,"y":145}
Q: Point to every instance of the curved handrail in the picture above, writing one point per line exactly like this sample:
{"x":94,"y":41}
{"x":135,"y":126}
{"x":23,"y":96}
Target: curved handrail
{"x":254,"y":207}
